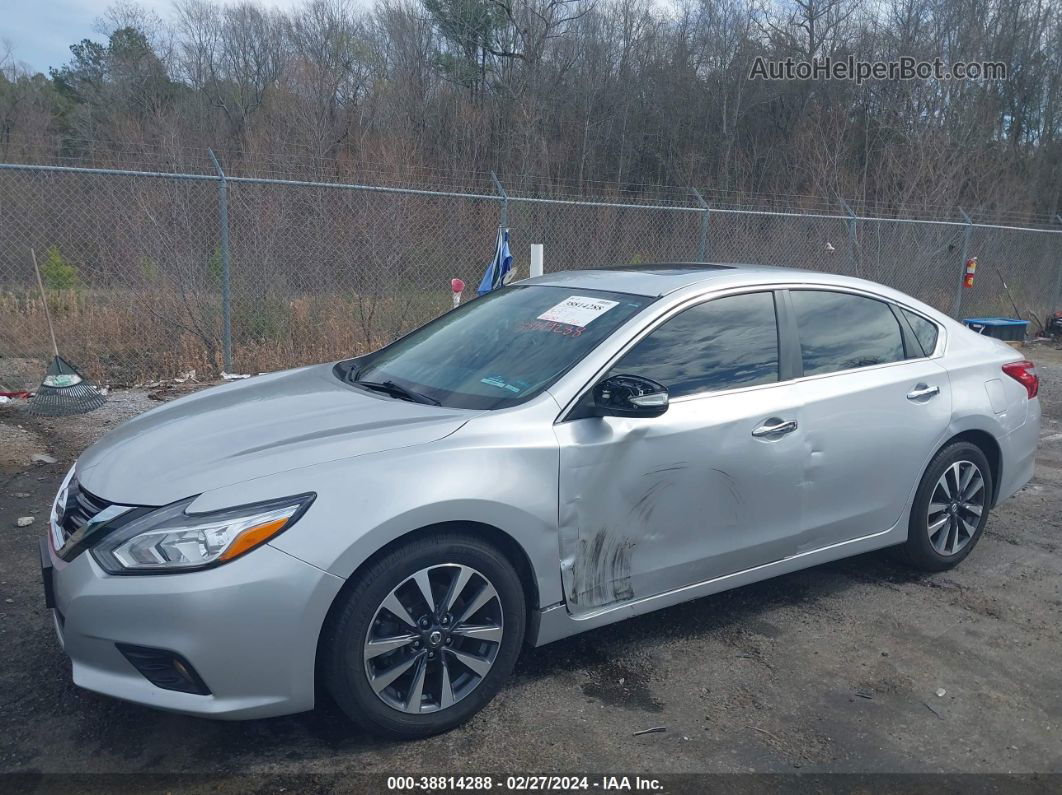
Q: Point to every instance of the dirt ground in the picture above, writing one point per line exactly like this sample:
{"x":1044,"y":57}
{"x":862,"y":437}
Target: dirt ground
{"x":857,"y":666}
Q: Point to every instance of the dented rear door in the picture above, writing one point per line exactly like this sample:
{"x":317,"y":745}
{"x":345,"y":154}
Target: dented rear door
{"x":875,"y":408}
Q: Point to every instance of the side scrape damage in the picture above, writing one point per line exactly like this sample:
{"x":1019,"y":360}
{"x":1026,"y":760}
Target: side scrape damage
{"x":602,"y":570}
{"x":629,"y":531}
{"x":601,"y":565}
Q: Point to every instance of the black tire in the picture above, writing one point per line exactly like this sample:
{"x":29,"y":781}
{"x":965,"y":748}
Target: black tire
{"x":919,"y":550}
{"x":345,"y":633}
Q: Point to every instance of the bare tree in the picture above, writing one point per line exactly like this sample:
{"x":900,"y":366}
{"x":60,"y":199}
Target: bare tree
{"x":235,"y":55}
{"x":810,"y":28}
{"x":565,"y":95}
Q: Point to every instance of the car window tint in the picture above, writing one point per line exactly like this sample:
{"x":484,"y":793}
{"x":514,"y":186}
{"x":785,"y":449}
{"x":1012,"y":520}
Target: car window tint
{"x":720,"y":344}
{"x":925,"y":331}
{"x":840,"y":331}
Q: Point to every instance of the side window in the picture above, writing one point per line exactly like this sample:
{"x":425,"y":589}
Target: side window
{"x":722,"y":344}
{"x":840,"y":331}
{"x":925,"y":331}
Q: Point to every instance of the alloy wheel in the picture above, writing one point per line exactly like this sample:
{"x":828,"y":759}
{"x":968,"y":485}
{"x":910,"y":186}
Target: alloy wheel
{"x":955,"y":507}
{"x":433,"y":638}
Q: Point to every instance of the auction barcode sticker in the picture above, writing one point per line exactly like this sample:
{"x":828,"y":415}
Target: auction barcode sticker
{"x":578,"y":310}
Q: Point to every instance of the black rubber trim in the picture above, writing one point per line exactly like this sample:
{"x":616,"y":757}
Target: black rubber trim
{"x":47,"y":571}
{"x":790,"y":363}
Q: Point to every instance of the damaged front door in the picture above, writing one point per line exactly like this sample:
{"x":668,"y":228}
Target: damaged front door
{"x":711,"y":487}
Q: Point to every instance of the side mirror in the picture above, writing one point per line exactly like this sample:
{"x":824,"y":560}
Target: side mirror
{"x":629,"y":396}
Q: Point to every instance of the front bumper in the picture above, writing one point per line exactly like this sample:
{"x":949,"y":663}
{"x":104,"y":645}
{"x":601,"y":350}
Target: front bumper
{"x":249,"y":628}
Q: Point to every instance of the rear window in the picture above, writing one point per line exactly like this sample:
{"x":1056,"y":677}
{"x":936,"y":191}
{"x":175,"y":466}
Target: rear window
{"x":841,"y":331}
{"x":925,"y":331}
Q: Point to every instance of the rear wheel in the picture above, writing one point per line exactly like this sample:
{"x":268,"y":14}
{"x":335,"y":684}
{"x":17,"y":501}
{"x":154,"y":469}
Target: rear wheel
{"x":950,"y":508}
{"x":426,"y":637}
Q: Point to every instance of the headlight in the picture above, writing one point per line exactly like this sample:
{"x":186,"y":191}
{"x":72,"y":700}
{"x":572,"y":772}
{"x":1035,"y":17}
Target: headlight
{"x":58,"y":509}
{"x":170,"y":540}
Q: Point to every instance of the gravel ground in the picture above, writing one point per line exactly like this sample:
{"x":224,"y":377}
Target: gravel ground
{"x":857,"y":666}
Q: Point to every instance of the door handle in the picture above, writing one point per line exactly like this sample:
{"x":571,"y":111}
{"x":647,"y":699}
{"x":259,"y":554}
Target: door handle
{"x":775,"y":427}
{"x":923,"y":391}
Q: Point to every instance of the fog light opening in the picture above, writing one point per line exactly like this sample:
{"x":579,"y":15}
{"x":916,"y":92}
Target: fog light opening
{"x":164,"y":669}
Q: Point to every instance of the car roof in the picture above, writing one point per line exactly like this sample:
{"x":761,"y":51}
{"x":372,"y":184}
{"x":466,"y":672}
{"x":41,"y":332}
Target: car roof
{"x":659,"y":279}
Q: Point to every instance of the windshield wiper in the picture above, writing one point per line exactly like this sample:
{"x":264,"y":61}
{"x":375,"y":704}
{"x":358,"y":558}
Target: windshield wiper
{"x":394,"y":390}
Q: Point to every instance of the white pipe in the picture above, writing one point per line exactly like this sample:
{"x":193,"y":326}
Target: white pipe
{"x":536,"y":259}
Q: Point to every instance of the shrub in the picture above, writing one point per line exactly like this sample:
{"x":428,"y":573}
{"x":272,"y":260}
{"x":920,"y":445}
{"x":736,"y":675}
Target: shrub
{"x":57,"y":272}
{"x":263,"y":319}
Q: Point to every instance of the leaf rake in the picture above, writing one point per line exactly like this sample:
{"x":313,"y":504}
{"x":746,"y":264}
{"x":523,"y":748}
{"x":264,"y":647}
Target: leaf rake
{"x":64,"y":391}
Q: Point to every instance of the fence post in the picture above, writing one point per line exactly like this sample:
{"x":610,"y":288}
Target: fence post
{"x":1057,"y":299}
{"x":851,"y":222}
{"x":702,"y":254}
{"x":957,"y":306}
{"x":226,"y":277}
{"x":504,"y":200}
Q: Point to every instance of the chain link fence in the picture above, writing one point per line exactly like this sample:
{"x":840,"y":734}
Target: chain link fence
{"x":150,"y":275}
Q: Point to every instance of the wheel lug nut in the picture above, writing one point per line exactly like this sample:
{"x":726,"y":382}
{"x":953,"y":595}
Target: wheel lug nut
{"x":449,"y":641}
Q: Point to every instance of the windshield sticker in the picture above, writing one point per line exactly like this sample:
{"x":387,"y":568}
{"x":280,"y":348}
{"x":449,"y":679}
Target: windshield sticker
{"x":500,"y":383}
{"x":556,"y":328}
{"x":578,"y":310}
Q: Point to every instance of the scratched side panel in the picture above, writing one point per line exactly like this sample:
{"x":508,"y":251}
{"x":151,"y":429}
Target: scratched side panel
{"x":651,"y":505}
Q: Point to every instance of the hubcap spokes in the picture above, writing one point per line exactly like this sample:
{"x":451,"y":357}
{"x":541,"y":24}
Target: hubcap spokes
{"x":955,"y":507}
{"x":434,"y":638}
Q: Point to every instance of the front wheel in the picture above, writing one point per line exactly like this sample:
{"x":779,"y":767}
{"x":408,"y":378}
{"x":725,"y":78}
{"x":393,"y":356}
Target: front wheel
{"x":950,"y":508}
{"x":426,"y":637}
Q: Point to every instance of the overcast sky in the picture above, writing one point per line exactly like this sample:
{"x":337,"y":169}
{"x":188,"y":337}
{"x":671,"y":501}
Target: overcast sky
{"x":42,"y":31}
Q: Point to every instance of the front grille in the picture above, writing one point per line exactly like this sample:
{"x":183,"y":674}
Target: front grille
{"x":84,"y":519}
{"x":80,"y":508}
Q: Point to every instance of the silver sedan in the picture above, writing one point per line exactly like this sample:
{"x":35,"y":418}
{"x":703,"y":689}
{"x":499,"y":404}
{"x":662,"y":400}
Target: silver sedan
{"x":558,"y":455}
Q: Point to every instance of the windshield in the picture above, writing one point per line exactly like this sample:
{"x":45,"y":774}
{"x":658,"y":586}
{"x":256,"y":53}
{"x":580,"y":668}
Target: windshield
{"x":501,"y":349}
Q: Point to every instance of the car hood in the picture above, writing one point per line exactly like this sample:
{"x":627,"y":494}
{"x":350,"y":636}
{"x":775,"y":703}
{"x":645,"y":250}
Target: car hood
{"x":250,"y":428}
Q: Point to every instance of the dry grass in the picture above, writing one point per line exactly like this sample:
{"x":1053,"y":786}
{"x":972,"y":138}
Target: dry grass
{"x":127,"y":337}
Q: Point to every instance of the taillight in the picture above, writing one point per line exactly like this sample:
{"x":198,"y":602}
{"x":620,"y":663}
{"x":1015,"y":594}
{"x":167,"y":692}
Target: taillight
{"x":1024,"y":372}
